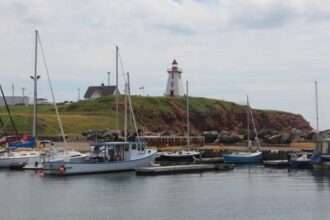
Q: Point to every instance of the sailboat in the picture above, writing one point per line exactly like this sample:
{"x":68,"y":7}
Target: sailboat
{"x":186,"y":155}
{"x":321,"y":155}
{"x":246,"y":157}
{"x":56,"y":153}
{"x":108,"y":156}
{"x":21,"y":158}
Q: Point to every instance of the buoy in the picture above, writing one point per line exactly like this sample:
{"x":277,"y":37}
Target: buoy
{"x":40,"y":172}
{"x":61,"y":169}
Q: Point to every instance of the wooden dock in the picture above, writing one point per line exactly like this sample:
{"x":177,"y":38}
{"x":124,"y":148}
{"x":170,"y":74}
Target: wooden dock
{"x":159,"y":170}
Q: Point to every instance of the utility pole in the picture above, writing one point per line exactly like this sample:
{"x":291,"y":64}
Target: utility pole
{"x":108,"y":78}
{"x":23,"y":97}
{"x":13,"y":94}
{"x":78,"y":94}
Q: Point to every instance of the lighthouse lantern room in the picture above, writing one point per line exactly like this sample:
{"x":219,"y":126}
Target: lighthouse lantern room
{"x":174,"y":82}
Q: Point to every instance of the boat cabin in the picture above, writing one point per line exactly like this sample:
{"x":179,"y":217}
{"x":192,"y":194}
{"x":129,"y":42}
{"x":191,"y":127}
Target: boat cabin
{"x":117,"y":151}
{"x":323,"y":146}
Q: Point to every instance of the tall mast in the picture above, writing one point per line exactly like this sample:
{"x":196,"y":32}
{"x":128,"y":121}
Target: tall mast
{"x":117,"y":87}
{"x":317,"y":113}
{"x":125,"y":122}
{"x":188,"y":122}
{"x":248,"y":120}
{"x":35,"y":90}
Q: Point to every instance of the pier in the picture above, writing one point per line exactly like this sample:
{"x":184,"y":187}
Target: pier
{"x":159,"y":170}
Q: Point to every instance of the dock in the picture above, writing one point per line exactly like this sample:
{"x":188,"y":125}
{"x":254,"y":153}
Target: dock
{"x":159,"y":170}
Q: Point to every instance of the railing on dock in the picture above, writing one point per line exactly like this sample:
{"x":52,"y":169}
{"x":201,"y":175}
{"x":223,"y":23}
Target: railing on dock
{"x":166,"y":141}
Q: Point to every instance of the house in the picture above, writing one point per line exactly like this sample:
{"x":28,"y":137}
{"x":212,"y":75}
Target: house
{"x":94,"y":92}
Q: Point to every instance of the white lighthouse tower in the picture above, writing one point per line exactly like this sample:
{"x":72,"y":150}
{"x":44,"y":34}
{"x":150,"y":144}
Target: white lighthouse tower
{"x":174,"y":82}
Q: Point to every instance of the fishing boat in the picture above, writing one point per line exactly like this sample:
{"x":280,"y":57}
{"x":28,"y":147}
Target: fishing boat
{"x":246,"y":157}
{"x":106,"y":157}
{"x":186,"y":154}
{"x":109,"y":156}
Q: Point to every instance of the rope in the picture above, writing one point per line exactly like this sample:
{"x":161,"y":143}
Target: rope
{"x":51,"y":88}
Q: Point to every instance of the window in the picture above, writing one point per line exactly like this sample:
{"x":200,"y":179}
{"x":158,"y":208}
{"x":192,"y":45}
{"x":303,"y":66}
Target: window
{"x":139,"y":147}
{"x":172,"y":84}
{"x":172,"y":75}
{"x":142,"y":147}
{"x":133,"y":146}
{"x":126,"y":148}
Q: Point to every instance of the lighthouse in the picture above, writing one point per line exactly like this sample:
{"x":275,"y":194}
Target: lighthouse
{"x":174,"y":82}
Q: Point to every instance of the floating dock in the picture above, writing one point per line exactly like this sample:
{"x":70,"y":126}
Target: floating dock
{"x":159,"y":170}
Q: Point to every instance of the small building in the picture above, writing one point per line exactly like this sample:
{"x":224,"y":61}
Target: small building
{"x":174,"y":82}
{"x":42,"y":101}
{"x":14,"y":100}
{"x":94,"y":92}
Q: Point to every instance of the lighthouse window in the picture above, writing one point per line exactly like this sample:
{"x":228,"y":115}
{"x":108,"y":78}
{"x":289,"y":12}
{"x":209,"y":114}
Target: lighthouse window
{"x":172,"y":84}
{"x":172,"y":75}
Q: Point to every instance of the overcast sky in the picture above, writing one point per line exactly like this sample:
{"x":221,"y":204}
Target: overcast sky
{"x":271,"y":50}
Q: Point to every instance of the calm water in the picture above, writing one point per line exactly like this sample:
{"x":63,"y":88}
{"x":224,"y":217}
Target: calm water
{"x":248,"y":192}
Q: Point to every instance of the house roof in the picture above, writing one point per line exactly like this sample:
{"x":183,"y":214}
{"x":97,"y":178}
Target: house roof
{"x":104,"y":90}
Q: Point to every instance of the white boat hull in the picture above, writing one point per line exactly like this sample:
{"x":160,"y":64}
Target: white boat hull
{"x":71,"y":168}
{"x":18,"y":158}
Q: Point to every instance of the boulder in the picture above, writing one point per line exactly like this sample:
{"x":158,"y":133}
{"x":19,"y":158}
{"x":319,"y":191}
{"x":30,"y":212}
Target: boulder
{"x":286,"y":138}
{"x":275,"y":139}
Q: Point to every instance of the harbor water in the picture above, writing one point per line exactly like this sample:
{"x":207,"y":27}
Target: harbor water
{"x":247,"y":192}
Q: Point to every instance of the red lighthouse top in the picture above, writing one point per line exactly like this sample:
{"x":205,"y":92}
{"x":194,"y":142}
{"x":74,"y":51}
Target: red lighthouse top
{"x":174,"y":68}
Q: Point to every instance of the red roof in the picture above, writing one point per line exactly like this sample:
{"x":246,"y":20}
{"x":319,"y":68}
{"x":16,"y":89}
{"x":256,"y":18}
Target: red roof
{"x":174,"y":62}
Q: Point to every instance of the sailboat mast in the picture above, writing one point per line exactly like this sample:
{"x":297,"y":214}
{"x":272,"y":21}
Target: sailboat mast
{"x":248,"y":120}
{"x":188,"y":122}
{"x":117,"y":87}
{"x":34,"y":134}
{"x":125,"y":123}
{"x":317,"y":113}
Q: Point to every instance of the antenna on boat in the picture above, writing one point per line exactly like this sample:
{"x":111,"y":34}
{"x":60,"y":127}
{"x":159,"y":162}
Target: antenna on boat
{"x":317,"y":113}
{"x":188,"y":122}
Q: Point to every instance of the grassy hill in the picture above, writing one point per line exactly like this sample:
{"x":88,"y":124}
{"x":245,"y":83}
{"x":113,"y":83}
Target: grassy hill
{"x":152,"y":113}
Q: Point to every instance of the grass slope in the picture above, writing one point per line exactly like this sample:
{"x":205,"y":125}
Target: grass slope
{"x":152,"y":113}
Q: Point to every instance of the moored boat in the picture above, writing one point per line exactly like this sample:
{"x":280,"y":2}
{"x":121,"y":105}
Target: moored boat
{"x":106,"y":157}
{"x":243,"y":157}
{"x":301,"y":160}
{"x":276,"y":163}
{"x":183,"y":155}
{"x":246,"y":157}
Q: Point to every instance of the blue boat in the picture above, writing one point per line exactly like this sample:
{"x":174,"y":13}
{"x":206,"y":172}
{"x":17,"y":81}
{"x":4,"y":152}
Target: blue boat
{"x":321,"y":155}
{"x":300,"y":160}
{"x":246,"y":157}
{"x":243,"y":157}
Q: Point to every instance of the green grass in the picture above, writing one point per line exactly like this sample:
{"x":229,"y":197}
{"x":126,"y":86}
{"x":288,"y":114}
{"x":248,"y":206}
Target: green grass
{"x":153,"y":113}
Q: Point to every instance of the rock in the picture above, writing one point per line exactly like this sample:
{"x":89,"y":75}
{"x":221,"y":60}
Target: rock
{"x":286,"y":138}
{"x":210,"y":136}
{"x":227,"y":138}
{"x":275,"y":139}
